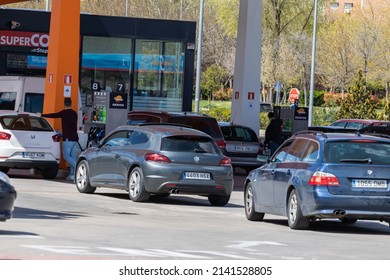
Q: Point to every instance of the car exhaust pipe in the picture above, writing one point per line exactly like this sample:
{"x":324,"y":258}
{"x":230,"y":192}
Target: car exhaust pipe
{"x":174,"y":191}
{"x":339,"y":213}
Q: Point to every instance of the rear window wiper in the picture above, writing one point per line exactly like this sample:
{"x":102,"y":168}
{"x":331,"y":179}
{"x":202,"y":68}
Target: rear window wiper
{"x":362,"y":160}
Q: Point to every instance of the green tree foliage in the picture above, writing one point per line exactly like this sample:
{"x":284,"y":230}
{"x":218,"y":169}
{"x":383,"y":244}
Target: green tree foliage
{"x":213,"y":80}
{"x":358,"y":102}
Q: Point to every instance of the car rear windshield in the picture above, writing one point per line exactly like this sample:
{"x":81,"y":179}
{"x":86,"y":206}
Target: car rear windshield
{"x":25,"y":122}
{"x":207,"y":125}
{"x":237,"y":133}
{"x":358,"y":151}
{"x":188,"y":144}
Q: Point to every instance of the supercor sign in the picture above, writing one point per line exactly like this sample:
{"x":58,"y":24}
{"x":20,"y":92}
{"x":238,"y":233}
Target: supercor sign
{"x":24,"y":39}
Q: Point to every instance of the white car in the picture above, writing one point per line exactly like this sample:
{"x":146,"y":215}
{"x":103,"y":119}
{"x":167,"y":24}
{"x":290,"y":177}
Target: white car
{"x":28,"y":141}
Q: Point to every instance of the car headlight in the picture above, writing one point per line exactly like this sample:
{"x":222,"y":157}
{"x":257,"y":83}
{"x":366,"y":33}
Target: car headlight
{"x":5,"y":178}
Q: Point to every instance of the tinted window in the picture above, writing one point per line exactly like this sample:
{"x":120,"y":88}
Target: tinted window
{"x":7,"y":101}
{"x":341,"y":124}
{"x":120,"y":138}
{"x":354,"y":125}
{"x":281,"y":153}
{"x":311,"y":152}
{"x":231,"y":133}
{"x":24,"y":122}
{"x":357,"y":151}
{"x":33,"y":102}
{"x":189,"y":144}
{"x":296,"y":150}
{"x":138,"y":138}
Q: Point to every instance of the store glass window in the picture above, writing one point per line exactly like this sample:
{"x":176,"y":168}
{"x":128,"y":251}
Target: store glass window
{"x":106,"y":62}
{"x":158,"y":75}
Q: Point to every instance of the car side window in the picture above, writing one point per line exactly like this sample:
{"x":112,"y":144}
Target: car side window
{"x":311,"y":152}
{"x":118,"y":139}
{"x":295,"y":152}
{"x":340,"y":124}
{"x":139,"y":138}
{"x":354,"y":125}
{"x":282,"y":152}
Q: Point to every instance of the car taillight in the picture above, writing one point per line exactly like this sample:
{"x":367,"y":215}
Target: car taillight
{"x":156,"y":158}
{"x":4,"y":136}
{"x":323,"y":179}
{"x":221,"y":144}
{"x":56,"y":138}
{"x":225,"y":162}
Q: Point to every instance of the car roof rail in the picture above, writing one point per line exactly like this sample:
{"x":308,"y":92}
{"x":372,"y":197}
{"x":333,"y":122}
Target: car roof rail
{"x":314,"y":132}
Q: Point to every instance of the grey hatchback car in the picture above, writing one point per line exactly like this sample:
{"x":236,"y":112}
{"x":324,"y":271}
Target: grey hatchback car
{"x":316,"y":175}
{"x":157,"y":159}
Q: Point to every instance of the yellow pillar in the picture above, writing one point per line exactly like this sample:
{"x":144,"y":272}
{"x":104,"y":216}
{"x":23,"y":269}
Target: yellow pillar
{"x":62,"y":72}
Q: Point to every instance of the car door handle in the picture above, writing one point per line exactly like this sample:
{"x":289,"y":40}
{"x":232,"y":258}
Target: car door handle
{"x":288,"y":172}
{"x":273,"y":172}
{"x":117,"y":156}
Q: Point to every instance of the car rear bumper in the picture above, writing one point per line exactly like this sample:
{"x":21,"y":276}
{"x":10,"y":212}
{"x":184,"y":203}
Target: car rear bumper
{"x":209,"y":187}
{"x":25,"y":164}
{"x":326,"y":205}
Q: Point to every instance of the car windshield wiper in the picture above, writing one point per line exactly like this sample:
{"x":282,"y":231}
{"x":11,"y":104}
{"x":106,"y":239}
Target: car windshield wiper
{"x":363,"y":160}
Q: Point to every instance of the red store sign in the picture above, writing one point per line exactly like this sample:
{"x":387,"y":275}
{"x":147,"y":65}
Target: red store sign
{"x":24,"y":39}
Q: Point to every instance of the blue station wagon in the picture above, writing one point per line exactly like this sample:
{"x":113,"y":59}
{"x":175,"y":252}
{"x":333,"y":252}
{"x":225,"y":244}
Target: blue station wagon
{"x":316,"y":175}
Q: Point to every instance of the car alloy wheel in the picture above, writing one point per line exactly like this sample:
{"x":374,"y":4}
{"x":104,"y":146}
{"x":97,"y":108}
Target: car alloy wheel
{"x":249,"y":205}
{"x":137,"y":190}
{"x":82,"y":178}
{"x":294,"y":215}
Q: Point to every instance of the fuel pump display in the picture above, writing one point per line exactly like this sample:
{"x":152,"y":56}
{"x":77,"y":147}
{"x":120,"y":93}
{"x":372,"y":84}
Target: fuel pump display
{"x":105,"y":111}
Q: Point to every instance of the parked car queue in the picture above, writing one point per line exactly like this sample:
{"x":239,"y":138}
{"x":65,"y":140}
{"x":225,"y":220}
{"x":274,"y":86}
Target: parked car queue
{"x":312,"y":176}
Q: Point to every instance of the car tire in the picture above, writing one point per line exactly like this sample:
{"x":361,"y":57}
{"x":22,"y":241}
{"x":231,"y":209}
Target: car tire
{"x":137,"y":192}
{"x":294,"y":213}
{"x":348,"y":220}
{"x":4,"y":169}
{"x":219,"y":200}
{"x":49,"y":173}
{"x":249,"y":202}
{"x":82,"y":178}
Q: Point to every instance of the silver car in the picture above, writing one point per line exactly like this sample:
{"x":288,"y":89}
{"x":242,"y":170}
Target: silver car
{"x":160,"y":159}
{"x":242,"y":146}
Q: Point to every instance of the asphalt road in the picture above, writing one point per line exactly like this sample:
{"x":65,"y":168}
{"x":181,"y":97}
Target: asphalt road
{"x":52,"y":221}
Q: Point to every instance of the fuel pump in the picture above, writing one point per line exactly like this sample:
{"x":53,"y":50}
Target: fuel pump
{"x":105,"y":111}
{"x":294,"y":119}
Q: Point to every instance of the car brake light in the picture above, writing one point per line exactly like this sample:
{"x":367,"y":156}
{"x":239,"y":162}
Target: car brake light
{"x":323,"y":179}
{"x":4,"y":136}
{"x":56,"y":138}
{"x":156,"y":158}
{"x":221,"y":144}
{"x":225,"y":162}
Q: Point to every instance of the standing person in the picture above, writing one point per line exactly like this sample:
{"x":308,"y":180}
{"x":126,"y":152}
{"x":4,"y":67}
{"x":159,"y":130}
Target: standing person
{"x":273,"y":133}
{"x":70,"y":137}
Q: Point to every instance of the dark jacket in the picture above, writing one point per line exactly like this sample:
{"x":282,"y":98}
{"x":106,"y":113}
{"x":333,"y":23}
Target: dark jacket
{"x":69,"y":123}
{"x":273,"y":132}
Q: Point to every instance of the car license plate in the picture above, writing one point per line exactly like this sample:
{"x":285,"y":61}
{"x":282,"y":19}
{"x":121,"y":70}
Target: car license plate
{"x":369,"y":183}
{"x":242,"y":149}
{"x":197,"y":175}
{"x":33,"y":155}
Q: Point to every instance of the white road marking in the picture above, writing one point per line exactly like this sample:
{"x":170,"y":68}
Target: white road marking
{"x":246,"y":245}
